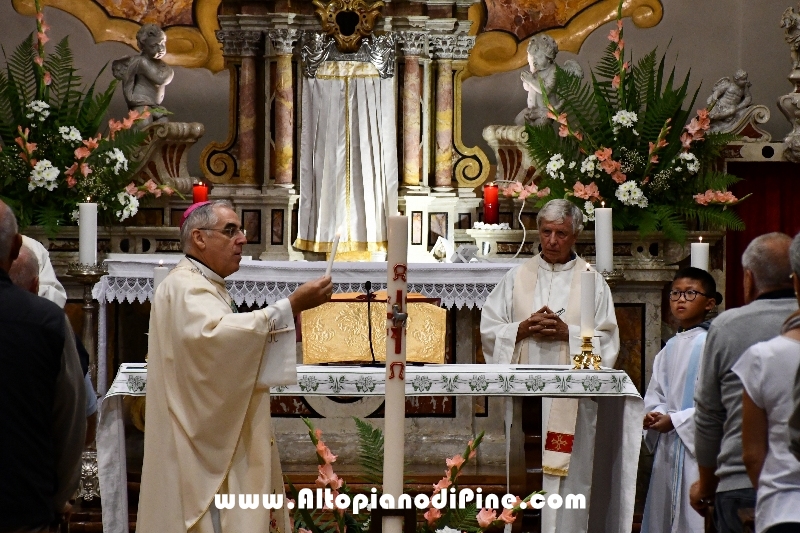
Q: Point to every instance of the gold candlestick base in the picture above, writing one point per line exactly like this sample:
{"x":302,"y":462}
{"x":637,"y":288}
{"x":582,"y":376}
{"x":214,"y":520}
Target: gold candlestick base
{"x":587,"y":356}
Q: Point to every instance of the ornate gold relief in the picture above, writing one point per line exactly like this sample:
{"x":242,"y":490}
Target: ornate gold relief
{"x":471,"y":168}
{"x":187,"y":46}
{"x":499,"y":51}
{"x":348,"y":21}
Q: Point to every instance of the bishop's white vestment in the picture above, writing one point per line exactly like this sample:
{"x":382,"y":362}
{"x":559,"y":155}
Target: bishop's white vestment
{"x":208,"y":426}
{"x":520,"y":293}
{"x":671,"y":391}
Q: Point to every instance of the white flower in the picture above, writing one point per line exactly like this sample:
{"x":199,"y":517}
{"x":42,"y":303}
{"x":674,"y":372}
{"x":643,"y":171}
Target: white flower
{"x":76,"y":215}
{"x":117,"y":155}
{"x":630,"y":194}
{"x":623,"y":119}
{"x":130,"y":205}
{"x":572,"y":164}
{"x":554,"y":166}
{"x":447,"y":529}
{"x":692,"y":164}
{"x":588,"y":208}
{"x":38,"y":107}
{"x":589,"y":166}
{"x":70,"y":133}
{"x":44,"y":174}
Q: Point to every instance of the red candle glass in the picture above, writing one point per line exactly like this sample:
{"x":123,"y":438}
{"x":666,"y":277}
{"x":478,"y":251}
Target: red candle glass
{"x":491,"y":205}
{"x":199,"y":193}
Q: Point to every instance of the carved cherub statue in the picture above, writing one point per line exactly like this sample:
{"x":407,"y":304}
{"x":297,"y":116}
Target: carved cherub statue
{"x":731,"y":100}
{"x":790,"y":22}
{"x":145,"y":76}
{"x":542,"y":52}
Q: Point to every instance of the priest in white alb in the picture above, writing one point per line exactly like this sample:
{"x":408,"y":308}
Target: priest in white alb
{"x":533,"y":317}
{"x":209,"y":371}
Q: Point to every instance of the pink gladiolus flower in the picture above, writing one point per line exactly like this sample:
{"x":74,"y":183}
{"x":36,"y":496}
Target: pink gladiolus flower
{"x":619,"y":24}
{"x":603,"y":154}
{"x":322,"y":450}
{"x":71,"y":182}
{"x":610,"y":166}
{"x":617,"y":54}
{"x":82,"y":152}
{"x":45,"y":26}
{"x":613,"y":36}
{"x":541,"y":194}
{"x":586,"y":192}
{"x":551,"y":115}
{"x":47,"y":78}
{"x":615,"y":82}
{"x":39,"y":17}
{"x":686,"y":140}
{"x":578,"y":135}
{"x":432,"y":515}
{"x":456,"y":461}
{"x":621,"y":44}
{"x":92,"y":142}
{"x":485,"y":517}
{"x":38,"y":60}
{"x":619,"y":177}
{"x":318,"y":433}
{"x":523,"y":195}
{"x":507,"y":516}
{"x":42,"y":37}
{"x":327,"y":478}
{"x":132,"y":189}
{"x":444,"y":483}
{"x":302,"y":530}
{"x":71,"y":170}
{"x":86,"y":169}
{"x":563,"y":131}
{"x":562,"y":119}
{"x":474,"y":452}
{"x":507,"y":192}
{"x":654,"y":159}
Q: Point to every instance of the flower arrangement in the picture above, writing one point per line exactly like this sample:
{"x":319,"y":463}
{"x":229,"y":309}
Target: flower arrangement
{"x":618,"y":140}
{"x":53,"y":153}
{"x":438,"y":518}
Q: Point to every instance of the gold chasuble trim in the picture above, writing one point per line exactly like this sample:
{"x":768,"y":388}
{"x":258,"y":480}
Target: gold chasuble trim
{"x":329,"y":70}
{"x":549,"y":470}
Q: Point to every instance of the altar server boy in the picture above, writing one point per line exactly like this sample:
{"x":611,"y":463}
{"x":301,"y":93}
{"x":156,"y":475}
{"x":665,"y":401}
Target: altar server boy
{"x":669,"y":407}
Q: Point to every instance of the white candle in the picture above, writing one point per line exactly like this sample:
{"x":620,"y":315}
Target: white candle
{"x":603,"y":239}
{"x":87,"y":247}
{"x":159,"y":274}
{"x":700,"y":255}
{"x":333,"y":254}
{"x":587,"y":303}
{"x":395,"y":399}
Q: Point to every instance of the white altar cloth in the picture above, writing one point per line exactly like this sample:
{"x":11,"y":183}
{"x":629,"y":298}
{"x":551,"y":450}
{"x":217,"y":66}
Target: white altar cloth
{"x":616,"y":454}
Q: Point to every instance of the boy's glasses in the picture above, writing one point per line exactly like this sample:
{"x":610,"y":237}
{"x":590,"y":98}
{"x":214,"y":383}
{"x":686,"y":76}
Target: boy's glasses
{"x":689,"y":295}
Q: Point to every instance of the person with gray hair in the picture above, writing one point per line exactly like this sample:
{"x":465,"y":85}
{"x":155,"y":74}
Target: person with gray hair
{"x":533,"y":317}
{"x":724,"y":483}
{"x":209,"y":371}
{"x":794,"y":420}
{"x":42,"y":425}
{"x":767,"y":371}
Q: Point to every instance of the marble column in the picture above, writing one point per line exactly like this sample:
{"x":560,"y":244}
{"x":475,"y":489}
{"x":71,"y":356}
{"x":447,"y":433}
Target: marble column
{"x":413,"y":44}
{"x":283,"y":41}
{"x":247,"y":121}
{"x":444,"y":46}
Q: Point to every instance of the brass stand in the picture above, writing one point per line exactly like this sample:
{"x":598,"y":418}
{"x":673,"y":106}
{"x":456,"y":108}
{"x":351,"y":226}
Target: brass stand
{"x":88,"y":275}
{"x":587,"y":356}
{"x":613,"y":277}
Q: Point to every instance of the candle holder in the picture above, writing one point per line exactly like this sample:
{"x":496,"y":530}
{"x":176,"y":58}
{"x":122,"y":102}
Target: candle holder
{"x":613,"y":277}
{"x":587,"y":356}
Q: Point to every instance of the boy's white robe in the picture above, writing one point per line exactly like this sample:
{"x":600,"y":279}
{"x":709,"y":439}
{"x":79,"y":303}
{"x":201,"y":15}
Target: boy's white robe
{"x":670,"y":389}
{"x":208,"y":406}
{"x":553,"y":288}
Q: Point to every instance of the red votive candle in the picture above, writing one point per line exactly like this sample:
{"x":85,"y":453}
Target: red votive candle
{"x":199,"y":193}
{"x":491,"y":205}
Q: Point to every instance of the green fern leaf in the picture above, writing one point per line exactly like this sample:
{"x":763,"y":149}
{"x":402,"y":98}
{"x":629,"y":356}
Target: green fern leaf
{"x":370,"y":452}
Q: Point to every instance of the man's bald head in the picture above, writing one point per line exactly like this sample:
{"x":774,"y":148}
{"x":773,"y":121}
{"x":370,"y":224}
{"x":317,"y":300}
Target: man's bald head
{"x":10,"y":239}
{"x":24,"y":270}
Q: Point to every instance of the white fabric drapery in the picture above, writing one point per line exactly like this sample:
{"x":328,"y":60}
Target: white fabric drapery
{"x":348,"y":158}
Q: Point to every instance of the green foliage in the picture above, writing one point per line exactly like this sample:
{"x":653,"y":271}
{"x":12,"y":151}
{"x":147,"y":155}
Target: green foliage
{"x":656,"y":167}
{"x":370,"y":452}
{"x":45,"y":118}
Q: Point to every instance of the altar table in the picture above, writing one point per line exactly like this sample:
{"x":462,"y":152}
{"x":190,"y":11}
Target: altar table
{"x":616,"y":449}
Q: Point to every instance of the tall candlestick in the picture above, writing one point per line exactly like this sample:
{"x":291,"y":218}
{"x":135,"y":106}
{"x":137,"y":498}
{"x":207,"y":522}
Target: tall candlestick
{"x":333,"y":254}
{"x":87,"y":245}
{"x":587,"y":303}
{"x":491,"y":205}
{"x":395,"y":398}
{"x":603,"y":239}
{"x":700,"y":255}
{"x":199,"y":193}
{"x":159,"y":274}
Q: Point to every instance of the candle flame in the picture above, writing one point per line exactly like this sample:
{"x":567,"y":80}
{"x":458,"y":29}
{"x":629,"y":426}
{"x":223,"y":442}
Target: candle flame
{"x":88,"y":199}
{"x":701,"y":239}
{"x":160,"y":262}
{"x":603,"y":203}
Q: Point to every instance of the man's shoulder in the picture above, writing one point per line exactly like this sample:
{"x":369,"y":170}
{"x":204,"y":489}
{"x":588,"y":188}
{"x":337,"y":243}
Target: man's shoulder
{"x":23,"y":308}
{"x":758,"y":308}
